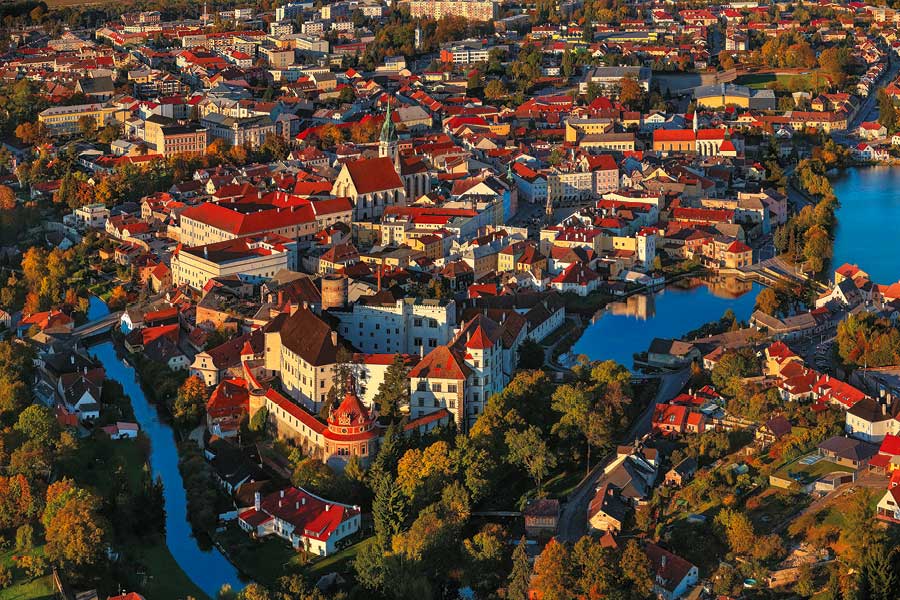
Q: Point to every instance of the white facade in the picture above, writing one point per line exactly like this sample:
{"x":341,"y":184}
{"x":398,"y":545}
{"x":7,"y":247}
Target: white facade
{"x":408,"y":327}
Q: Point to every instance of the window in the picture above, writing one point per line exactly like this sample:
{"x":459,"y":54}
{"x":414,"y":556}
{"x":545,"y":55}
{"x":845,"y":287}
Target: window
{"x":451,"y":387}
{"x":421,"y":386}
{"x":417,"y":322}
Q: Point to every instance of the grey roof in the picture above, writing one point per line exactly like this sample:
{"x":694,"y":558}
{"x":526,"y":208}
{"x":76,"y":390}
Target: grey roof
{"x":849,"y":448}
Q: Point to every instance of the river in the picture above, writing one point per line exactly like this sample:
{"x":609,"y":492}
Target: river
{"x":625,"y":328}
{"x":208,"y":569}
{"x":868,"y":196}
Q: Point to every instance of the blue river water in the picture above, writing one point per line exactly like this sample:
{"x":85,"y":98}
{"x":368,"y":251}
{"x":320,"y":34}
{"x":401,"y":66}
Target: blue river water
{"x":625,"y":328}
{"x":207,"y":569}
{"x":869,"y":196}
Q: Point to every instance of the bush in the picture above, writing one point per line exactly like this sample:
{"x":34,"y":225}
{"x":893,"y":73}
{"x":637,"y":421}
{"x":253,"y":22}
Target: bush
{"x":5,"y":576}
{"x":24,"y":538}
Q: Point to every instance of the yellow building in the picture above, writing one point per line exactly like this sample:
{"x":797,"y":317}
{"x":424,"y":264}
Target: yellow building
{"x":64,"y":120}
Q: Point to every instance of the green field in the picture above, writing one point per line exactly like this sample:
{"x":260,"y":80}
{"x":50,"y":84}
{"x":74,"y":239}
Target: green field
{"x":24,"y":587}
{"x":785,"y":81}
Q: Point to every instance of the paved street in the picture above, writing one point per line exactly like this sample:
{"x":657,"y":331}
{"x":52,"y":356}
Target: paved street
{"x":573,"y":517}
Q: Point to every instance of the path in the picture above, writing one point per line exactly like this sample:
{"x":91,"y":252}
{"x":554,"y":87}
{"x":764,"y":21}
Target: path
{"x":573,"y":516}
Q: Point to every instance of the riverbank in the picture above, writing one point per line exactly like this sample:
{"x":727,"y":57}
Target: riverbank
{"x":206,"y":570}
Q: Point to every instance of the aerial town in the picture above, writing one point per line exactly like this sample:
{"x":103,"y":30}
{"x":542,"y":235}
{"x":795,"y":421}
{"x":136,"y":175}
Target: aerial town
{"x":449,"y":300}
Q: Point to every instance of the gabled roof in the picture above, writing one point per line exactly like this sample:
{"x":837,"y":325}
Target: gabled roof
{"x":373,"y":175}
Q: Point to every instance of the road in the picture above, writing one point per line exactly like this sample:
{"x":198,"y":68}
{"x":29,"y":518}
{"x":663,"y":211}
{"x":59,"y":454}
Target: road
{"x":868,"y":110}
{"x":573,"y":516}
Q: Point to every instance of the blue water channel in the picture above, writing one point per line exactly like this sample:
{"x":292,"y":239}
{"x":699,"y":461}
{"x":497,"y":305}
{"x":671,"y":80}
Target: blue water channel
{"x":869,"y":213}
{"x":207,"y":569}
{"x":625,"y":328}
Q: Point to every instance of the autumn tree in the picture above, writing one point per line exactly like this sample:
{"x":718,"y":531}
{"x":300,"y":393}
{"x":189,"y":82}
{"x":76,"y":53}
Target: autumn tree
{"x":18,"y":502}
{"x":630,"y":93}
{"x":817,"y":249}
{"x":494,"y":90}
{"x":190,"y":402}
{"x":552,"y":580}
{"x":767,"y":301}
{"x":32,"y":133}
{"x":7,"y":198}
{"x":75,"y":532}
{"x":421,"y":474}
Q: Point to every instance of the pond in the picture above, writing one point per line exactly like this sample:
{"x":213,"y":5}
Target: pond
{"x":625,"y":328}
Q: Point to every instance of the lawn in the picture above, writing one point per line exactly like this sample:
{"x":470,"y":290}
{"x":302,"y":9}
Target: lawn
{"x":786,"y":81}
{"x":162,"y":577}
{"x":340,"y":561}
{"x":23,"y":587}
{"x":272,"y":557}
{"x":262,"y":560}
{"x":805,"y":474}
{"x":773,"y":506}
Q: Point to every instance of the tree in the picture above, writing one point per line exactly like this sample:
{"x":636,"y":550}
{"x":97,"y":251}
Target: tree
{"x":519,"y":579}
{"x":75,"y":533}
{"x":388,"y":510}
{"x":87,"y":126}
{"x":254,"y":591}
{"x":421,"y":474}
{"x":731,"y":368}
{"x":817,"y":249}
{"x":878,"y":576}
{"x":259,"y":419}
{"x":190,"y":402}
{"x":738,"y":530}
{"x":531,"y":355}
{"x":887,"y":112}
{"x":39,"y":424}
{"x":7,"y":198}
{"x":312,"y":474}
{"x":495,"y":90}
{"x":484,"y":553}
{"x":635,"y":568}
{"x":529,"y":450}
{"x":552,"y":574}
{"x":630,"y":93}
{"x":18,"y":502}
{"x":568,"y":64}
{"x":767,"y":301}
{"x":726,"y":60}
{"x":393,"y":393}
{"x":31,"y":133}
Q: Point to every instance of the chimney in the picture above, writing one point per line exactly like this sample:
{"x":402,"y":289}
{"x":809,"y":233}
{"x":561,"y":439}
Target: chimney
{"x":327,"y":507}
{"x":303,"y":501}
{"x":334,"y":338}
{"x":257,"y":501}
{"x":662,"y":561}
{"x":72,"y":359}
{"x":884,"y":409}
{"x":282,"y":494}
{"x":296,"y":506}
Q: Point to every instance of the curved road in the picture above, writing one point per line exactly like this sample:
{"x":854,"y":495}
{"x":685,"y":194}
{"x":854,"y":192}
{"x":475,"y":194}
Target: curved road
{"x":573,"y":516}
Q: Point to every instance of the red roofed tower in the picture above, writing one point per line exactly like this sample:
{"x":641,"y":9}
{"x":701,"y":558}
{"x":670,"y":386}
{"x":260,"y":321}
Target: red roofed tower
{"x":352,"y":431}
